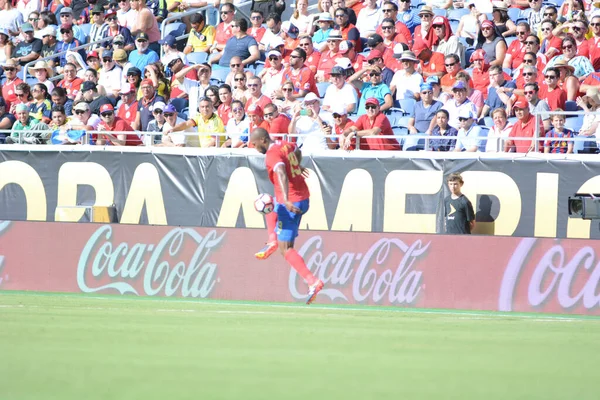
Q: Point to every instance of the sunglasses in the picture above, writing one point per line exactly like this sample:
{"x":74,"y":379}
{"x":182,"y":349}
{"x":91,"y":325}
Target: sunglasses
{"x":387,"y":28}
{"x":427,"y":92}
{"x":79,"y":112}
{"x":372,"y":74}
{"x":550,"y":76}
{"x":530,"y":42}
{"x":529,"y":61}
{"x":64,"y":15}
{"x":521,"y":33}
{"x":169,"y":114}
{"x":237,"y":109}
{"x":336,"y":116}
{"x":157,"y":112}
{"x":172,"y":64}
{"x":63,"y":31}
{"x":527,"y":73}
{"x":568,"y":46}
{"x":273,"y":58}
{"x":234,"y":65}
{"x":546,"y":29}
{"x":269,"y":115}
{"x":450,"y":65}
{"x":107,"y":114}
{"x":111,"y":18}
{"x":438,"y":26}
{"x":370,"y":107}
{"x":388,"y":10}
{"x":225,"y":12}
{"x":107,"y":59}
{"x":462,"y":119}
{"x":487,"y":28}
{"x":19,"y":94}
{"x":287,"y":89}
{"x":595,"y":24}
{"x":373,"y":61}
{"x":340,"y":15}
{"x":9,"y":69}
{"x":256,"y":17}
{"x":577,"y":28}
{"x":239,"y":79}
{"x":252,"y":85}
{"x":141,"y":40}
{"x":529,"y":92}
{"x":548,"y":14}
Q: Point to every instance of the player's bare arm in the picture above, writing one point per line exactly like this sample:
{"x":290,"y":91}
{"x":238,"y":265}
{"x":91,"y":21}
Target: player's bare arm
{"x":282,"y":179}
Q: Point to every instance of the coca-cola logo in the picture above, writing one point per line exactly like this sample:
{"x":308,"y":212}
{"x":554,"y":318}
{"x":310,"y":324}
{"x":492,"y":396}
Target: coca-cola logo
{"x":554,"y":275}
{"x":160,"y":266}
{"x":386,"y":270}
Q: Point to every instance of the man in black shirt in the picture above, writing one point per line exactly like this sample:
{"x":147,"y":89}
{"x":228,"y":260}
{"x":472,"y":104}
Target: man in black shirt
{"x":28,"y":49}
{"x":459,"y":217}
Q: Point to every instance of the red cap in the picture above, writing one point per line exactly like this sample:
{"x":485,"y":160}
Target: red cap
{"x":106,"y":107}
{"x":93,"y":54}
{"x":478,"y":54}
{"x":66,"y":26}
{"x":374,"y":54}
{"x":372,"y":100}
{"x":255,"y":109}
{"x":147,"y":82}
{"x":439,"y":20}
{"x":521,"y":103}
{"x":487,"y":24}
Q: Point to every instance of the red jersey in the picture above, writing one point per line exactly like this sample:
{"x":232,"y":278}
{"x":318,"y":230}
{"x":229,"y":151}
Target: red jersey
{"x":312,"y":61}
{"x":339,"y":130}
{"x":555,"y":98}
{"x":279,"y":124}
{"x":8,"y":92}
{"x":120,"y":125}
{"x":71,"y":87}
{"x":594,"y":52}
{"x":377,"y":143}
{"x":257,"y":33}
{"x":223,"y":33}
{"x":283,"y":153}
{"x":304,"y":79}
{"x":327,"y":61}
{"x":128,"y":113}
{"x":262,"y":102}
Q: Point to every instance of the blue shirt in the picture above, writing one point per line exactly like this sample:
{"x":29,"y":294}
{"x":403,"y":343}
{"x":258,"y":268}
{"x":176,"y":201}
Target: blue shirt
{"x":470,"y":138}
{"x":237,"y":47}
{"x":493,"y":101}
{"x":379,"y":92}
{"x":443,"y":144}
{"x":423,"y":116}
{"x":141,"y":60}
{"x":410,"y":18}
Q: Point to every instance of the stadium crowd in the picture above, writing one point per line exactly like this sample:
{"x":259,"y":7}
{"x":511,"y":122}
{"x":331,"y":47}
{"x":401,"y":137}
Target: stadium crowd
{"x":451,"y":75}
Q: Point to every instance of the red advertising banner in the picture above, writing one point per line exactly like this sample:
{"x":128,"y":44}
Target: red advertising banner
{"x":405,"y":270}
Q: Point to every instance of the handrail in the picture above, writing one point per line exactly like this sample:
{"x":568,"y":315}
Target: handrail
{"x":53,"y":56}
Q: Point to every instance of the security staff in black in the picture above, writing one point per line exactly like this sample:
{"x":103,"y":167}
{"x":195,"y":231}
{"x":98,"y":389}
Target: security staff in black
{"x":268,"y":6}
{"x":459,"y":217}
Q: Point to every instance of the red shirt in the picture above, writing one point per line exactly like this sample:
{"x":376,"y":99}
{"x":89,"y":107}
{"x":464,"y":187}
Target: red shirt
{"x":481,"y":81}
{"x":555,"y":99}
{"x":279,"y":124}
{"x":304,"y":79}
{"x":517,"y":52}
{"x":402,"y":33}
{"x":120,"y":125}
{"x":583,"y":49}
{"x":8,"y":92}
{"x":435,"y":64}
{"x":327,"y":62}
{"x":262,"y":102}
{"x":555,"y":43}
{"x":312,"y":61}
{"x":594,"y":51}
{"x":350,"y":30}
{"x":223,"y":33}
{"x":377,"y":143}
{"x":72,"y":87}
{"x":224,"y":112}
{"x":282,"y":152}
{"x":527,"y":130}
{"x":175,"y":89}
{"x":257,"y":33}
{"x":128,"y":112}
{"x":339,"y":130}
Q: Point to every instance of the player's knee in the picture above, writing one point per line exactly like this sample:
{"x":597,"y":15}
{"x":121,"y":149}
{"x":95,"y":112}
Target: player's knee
{"x":284,"y":247}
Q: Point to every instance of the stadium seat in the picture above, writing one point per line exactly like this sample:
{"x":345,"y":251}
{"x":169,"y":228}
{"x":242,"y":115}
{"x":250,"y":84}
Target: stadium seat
{"x":454,"y":24}
{"x":488,"y":121}
{"x":514,"y":13}
{"x":571,"y":105}
{"x":86,"y":29}
{"x":439,"y":11}
{"x":220,"y":74}
{"x":484,"y":133}
{"x":176,"y":29}
{"x":509,"y":40}
{"x":398,"y":131}
{"x":402,"y":122}
{"x":395,"y":115}
{"x":585,"y":147}
{"x":322,"y":87}
{"x":197,"y":58}
{"x":408,"y":105}
{"x":179,"y":104}
{"x":574,"y":123}
{"x":457,"y":14}
{"x":468,"y":52}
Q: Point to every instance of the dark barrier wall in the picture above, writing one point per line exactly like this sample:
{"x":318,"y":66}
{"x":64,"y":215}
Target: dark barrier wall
{"x":521,"y":196}
{"x":408,"y":270}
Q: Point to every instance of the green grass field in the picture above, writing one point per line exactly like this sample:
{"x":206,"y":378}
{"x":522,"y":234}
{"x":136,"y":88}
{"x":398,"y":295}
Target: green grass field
{"x":79,"y":347}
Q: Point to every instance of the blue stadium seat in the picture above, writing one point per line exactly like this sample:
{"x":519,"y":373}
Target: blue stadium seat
{"x":488,"y":121}
{"x":197,"y":58}
{"x":514,"y":13}
{"x":454,"y":24}
{"x":571,"y":105}
{"x":574,"y":123}
{"x":86,"y":29}
{"x":176,"y":29}
{"x":322,"y":87}
{"x":586,"y":147}
{"x":220,"y":74}
{"x":509,"y":40}
{"x":458,"y":13}
{"x":400,"y":131}
{"x":484,"y":133}
{"x":395,"y":115}
{"x":439,"y":11}
{"x":408,"y":105}
{"x":179,"y":104}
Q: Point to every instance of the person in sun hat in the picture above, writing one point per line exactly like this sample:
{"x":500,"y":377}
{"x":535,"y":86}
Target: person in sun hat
{"x":329,"y":56}
{"x":312,"y":126}
{"x":325,"y":22}
{"x":406,"y":82}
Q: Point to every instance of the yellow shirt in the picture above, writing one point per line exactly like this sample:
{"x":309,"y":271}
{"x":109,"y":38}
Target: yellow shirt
{"x":203,"y":40}
{"x":207,"y":129}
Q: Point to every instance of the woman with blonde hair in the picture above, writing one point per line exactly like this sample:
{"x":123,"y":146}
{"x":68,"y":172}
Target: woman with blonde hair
{"x":499,"y":131}
{"x":287,"y":105}
{"x":301,"y":18}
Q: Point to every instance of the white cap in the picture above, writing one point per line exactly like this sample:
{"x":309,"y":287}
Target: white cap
{"x":343,"y":62}
{"x":274,"y":53}
{"x":338,"y":109}
{"x":275,"y":42}
{"x":311,"y":97}
{"x":465,"y":113}
{"x":159,"y":105}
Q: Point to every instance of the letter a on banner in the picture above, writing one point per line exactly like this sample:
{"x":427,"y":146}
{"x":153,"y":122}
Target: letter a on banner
{"x":354,"y":211}
{"x":145,"y":189}
{"x":240,"y":194}
{"x":25,"y":176}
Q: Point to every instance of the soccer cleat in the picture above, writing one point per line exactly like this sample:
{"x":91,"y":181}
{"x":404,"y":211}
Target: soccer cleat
{"x":266,"y":251}
{"x":313,"y":290}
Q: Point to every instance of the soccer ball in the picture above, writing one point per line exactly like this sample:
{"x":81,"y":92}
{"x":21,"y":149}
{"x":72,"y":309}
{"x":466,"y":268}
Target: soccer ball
{"x":264,"y":203}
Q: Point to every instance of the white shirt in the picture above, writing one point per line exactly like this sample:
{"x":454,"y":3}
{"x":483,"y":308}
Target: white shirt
{"x":406,"y":86}
{"x":127,"y":19}
{"x":111,"y":80}
{"x":236,"y":130}
{"x":493,"y":135}
{"x":311,"y":137}
{"x":368,"y":20}
{"x":344,"y":96}
{"x":177,"y":137}
{"x":11,"y":19}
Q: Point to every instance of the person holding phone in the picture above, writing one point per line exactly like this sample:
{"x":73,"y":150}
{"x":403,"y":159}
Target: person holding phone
{"x":311,"y":127}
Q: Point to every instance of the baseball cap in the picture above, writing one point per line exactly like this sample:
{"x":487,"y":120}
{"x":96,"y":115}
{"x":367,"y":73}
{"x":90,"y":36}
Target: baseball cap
{"x":119,"y":39}
{"x":399,"y":48}
{"x":27,"y":27}
{"x":21,"y":107}
{"x":67,"y":26}
{"x":170,"y":108}
{"x":460,"y":85}
{"x":127,"y":88}
{"x":50,"y":30}
{"x":465,"y":113}
{"x":134,"y":71}
{"x":88,"y":85}
{"x":107,"y":54}
{"x":487,"y":24}
{"x":255,"y":109}
{"x":147,"y":82}
{"x":274,"y":53}
{"x":346,"y":46}
{"x":276,"y":42}
{"x":310,"y":97}
{"x":119,"y":55}
{"x":98,"y":9}
{"x":337,"y":70}
{"x":433,"y":80}
{"x":93,"y":54}
{"x":425,"y":86}
{"x":338,"y":109}
{"x":374,"y":54}
{"x":374,"y":40}
{"x":109,"y":13}
{"x":372,"y":100}
{"x":521,"y":104}
{"x":159,"y":105}
{"x":106,"y":107}
{"x":66,"y":10}
{"x":169,"y":40}
{"x":439,"y":20}
{"x":343,"y":63}
{"x":291,"y":29}
{"x":142,"y":36}
{"x":81,"y":106}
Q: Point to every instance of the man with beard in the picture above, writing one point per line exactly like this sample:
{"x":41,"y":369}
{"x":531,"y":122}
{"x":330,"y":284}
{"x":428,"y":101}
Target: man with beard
{"x":143,"y":56}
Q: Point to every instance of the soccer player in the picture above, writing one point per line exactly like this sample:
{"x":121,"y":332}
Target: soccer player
{"x":291,"y":201}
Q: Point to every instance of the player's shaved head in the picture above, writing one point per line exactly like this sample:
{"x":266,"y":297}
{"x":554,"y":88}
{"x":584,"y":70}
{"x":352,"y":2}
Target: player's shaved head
{"x":259,"y":133}
{"x":260,"y":139}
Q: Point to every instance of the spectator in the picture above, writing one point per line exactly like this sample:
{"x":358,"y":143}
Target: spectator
{"x":441,"y":39}
{"x":459,"y":216}
{"x":339,"y":94}
{"x":49,"y":43}
{"x":289,"y":102}
{"x":98,"y":26}
{"x":470,"y":134}
{"x":171,"y":120}
{"x":369,"y":18}
{"x":27,"y":129}
{"x":500,"y":91}
{"x":147,"y":25}
{"x":157,"y":124}
{"x":255,"y":95}
{"x":240,"y":90}
{"x":119,"y":33}
{"x":66,"y":18}
{"x":269,"y":6}
{"x":235,"y":67}
{"x":474,"y":95}
{"x":556,"y":138}
{"x":536,"y":15}
{"x":551,"y":92}
{"x":349,"y":31}
{"x":29,"y":49}
{"x":356,"y":61}
{"x":537,"y":106}
{"x":257,"y":30}
{"x":407,"y":82}
{"x":492,"y":42}
{"x":175,"y":64}
{"x":40,"y":106}
{"x":121,"y":63}
{"x":169,"y":49}
{"x":155,"y":73}
{"x":201,"y":37}
{"x":237,"y":127}
{"x":375,"y":88}
{"x":444,"y":130}
{"x":311,"y":127}
{"x":407,"y":14}
{"x":337,"y":4}
{"x":517,"y":49}
{"x":301,"y":76}
{"x":6,"y":46}
{"x":93,"y":61}
{"x":302,"y":18}
{"x":594,"y":50}
{"x":342,"y":128}
{"x":567,"y":80}
{"x":499,"y":132}
{"x":83,"y":119}
{"x":213,"y":94}
{"x":329,"y":57}
{"x":271,"y":77}
{"x":325,"y":22}
{"x":272,"y":34}
{"x":591,"y":120}
{"x":224,"y":30}
{"x":582,"y":66}
{"x":110,"y":74}
{"x":125,"y":14}
{"x":58,"y":96}
{"x":390,"y":10}
{"x":551,"y":45}
{"x":375,"y":58}
{"x":256,"y":117}
{"x":240,"y":44}
{"x":6,"y":120}
{"x":143,"y":56}
{"x":149,"y":97}
{"x":277,"y":123}
{"x":373,"y":123}
{"x":129,"y":105}
{"x":42,"y":71}
{"x":90,"y":94}
{"x":59,"y":119}
{"x":71,"y":83}
{"x":207,"y":122}
{"x":225,"y":100}
{"x":112,"y":123}
{"x":524,"y":127}
{"x":468,"y":27}
{"x":452,"y":64}
{"x":420,"y":32}
{"x":134,"y":76}
{"x":480,"y":73}
{"x":422,"y":119}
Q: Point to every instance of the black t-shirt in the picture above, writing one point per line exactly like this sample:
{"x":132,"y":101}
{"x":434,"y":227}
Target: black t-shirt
{"x":24,"y":49}
{"x":99,"y":102}
{"x":458,"y":213}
